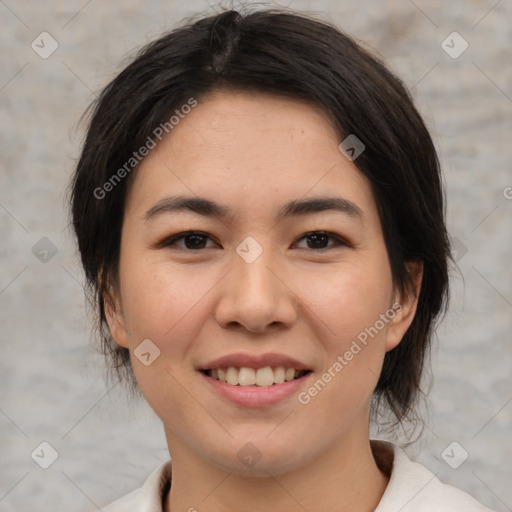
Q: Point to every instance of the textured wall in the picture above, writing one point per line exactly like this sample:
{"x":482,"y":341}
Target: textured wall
{"x":52,"y":387}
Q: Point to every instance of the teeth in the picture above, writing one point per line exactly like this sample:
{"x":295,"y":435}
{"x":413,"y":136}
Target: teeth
{"x":262,"y":377}
{"x":247,"y":377}
{"x":232,"y":376}
{"x":279,"y":375}
{"x":290,"y":374}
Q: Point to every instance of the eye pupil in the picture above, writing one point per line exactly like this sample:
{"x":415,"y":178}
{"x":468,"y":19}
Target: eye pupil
{"x":319,"y":240}
{"x":196,"y":241}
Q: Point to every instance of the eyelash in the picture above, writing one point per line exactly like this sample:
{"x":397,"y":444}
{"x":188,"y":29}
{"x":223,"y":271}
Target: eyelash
{"x":171,"y":241}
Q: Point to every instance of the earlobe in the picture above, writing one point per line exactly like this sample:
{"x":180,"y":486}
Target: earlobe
{"x":115,"y":320}
{"x":408,"y":302}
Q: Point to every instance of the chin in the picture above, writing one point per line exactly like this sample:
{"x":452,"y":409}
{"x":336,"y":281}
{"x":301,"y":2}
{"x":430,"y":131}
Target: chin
{"x":260,"y":457}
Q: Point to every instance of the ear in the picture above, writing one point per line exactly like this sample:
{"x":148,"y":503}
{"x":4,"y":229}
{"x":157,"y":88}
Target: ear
{"x":405,"y":306}
{"x":115,"y":319}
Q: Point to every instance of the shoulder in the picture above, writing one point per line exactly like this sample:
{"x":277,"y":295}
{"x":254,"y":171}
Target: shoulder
{"x":148,"y":498}
{"x":413,"y":488}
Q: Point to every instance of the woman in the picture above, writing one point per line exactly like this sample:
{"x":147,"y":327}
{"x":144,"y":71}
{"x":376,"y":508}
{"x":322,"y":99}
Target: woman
{"x":259,"y":212}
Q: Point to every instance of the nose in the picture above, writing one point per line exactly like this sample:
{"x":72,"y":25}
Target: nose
{"x":256,"y":296}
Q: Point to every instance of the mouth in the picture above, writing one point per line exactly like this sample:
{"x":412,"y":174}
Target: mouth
{"x":266,"y":376}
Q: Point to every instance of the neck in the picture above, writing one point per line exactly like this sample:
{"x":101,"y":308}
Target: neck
{"x":344,"y":479}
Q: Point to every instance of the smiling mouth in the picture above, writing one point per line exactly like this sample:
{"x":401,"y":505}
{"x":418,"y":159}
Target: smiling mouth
{"x":263,"y":377}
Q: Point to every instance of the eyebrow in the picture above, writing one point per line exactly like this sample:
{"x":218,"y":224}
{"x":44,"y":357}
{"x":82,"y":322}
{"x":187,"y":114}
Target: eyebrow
{"x":297,"y":207}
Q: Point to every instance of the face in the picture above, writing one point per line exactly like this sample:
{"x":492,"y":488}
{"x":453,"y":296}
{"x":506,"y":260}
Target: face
{"x":251,"y":254}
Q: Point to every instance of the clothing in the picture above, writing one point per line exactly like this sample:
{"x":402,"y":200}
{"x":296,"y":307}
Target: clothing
{"x":411,"y":488}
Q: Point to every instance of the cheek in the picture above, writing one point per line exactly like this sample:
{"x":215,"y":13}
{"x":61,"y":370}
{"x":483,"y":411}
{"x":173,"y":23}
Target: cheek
{"x":163,"y":302}
{"x":350,"y":302}
{"x":349,"y":298}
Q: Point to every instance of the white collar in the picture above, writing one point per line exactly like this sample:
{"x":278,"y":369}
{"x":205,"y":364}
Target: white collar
{"x":411,"y":488}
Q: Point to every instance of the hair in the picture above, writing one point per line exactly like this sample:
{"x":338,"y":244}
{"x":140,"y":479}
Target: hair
{"x":291,"y":54}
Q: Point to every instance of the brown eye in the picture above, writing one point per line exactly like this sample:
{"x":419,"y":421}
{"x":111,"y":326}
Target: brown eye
{"x":192,"y":240}
{"x":319,"y":240}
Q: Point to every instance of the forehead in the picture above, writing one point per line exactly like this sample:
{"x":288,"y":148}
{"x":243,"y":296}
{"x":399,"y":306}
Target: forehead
{"x":246,"y":123}
{"x":248,"y":149}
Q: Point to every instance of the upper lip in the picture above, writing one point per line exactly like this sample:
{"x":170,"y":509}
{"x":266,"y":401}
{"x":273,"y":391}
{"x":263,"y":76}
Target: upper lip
{"x":255,"y":361}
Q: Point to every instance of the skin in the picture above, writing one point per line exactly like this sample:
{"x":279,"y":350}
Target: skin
{"x":252,"y":153}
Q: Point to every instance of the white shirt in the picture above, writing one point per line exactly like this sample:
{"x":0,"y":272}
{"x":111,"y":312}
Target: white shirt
{"x":411,"y":488}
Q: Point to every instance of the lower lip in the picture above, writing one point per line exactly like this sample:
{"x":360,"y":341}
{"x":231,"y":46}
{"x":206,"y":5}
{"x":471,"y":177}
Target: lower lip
{"x":256,"y":396}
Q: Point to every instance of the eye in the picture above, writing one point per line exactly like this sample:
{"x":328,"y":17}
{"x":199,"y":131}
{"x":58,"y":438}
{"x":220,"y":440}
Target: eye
{"x":197,"y":240}
{"x":319,"y":240}
{"x":192,"y":240}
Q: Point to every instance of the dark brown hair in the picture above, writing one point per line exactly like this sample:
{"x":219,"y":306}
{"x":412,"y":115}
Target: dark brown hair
{"x":291,"y":54}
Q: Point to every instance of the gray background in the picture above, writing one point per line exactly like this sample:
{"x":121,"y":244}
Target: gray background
{"x":51,"y":380}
